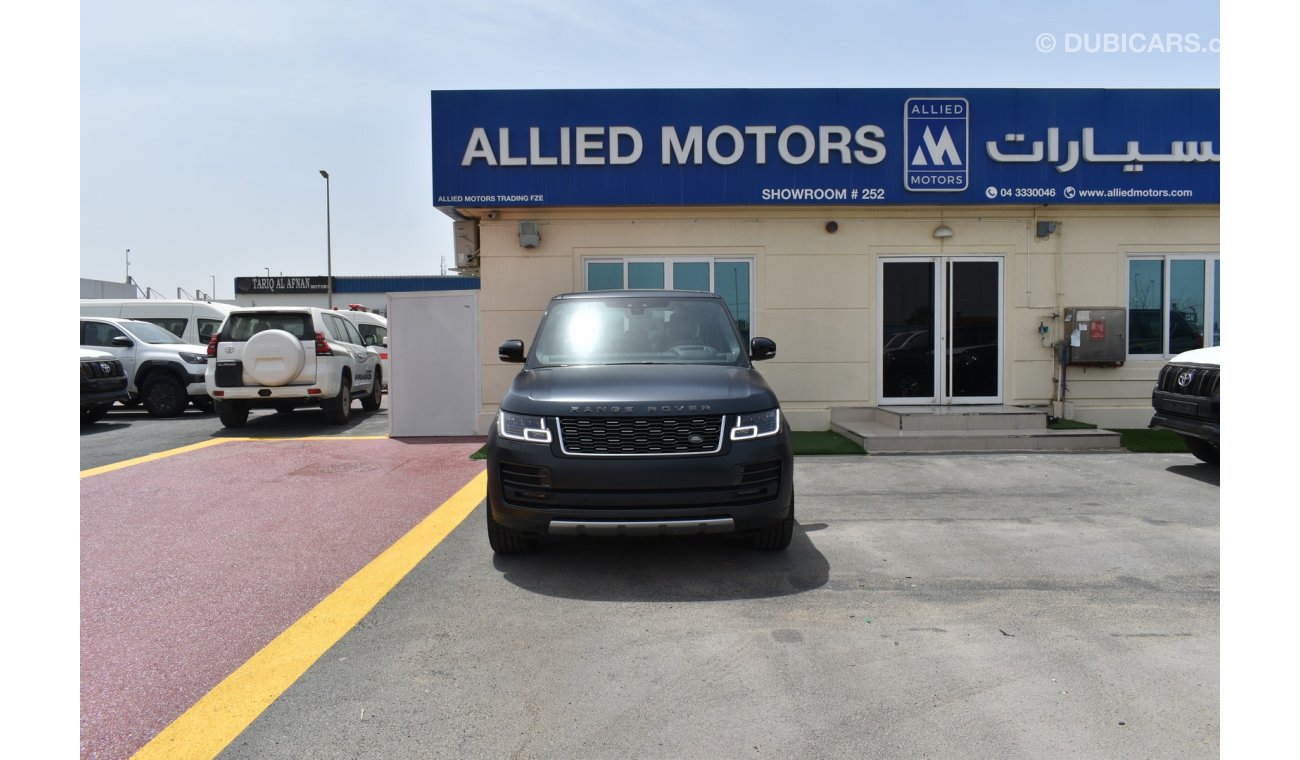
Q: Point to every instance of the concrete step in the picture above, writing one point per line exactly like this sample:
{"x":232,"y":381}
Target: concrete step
{"x":960,"y":417}
{"x":898,"y":429}
{"x":876,"y":438}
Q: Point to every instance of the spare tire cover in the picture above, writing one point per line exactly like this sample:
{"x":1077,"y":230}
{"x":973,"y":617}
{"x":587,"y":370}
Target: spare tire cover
{"x":273,"y":357}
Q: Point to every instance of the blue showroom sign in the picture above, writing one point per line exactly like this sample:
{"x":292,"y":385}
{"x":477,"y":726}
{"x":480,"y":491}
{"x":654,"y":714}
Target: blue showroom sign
{"x":521,"y":148}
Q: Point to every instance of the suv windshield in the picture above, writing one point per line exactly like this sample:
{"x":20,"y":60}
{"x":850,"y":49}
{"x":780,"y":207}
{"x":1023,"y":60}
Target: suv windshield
{"x":637,"y":330}
{"x":151,"y":333}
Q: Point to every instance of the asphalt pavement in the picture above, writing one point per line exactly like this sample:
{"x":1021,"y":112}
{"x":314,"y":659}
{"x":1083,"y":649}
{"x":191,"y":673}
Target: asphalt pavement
{"x":928,"y":607}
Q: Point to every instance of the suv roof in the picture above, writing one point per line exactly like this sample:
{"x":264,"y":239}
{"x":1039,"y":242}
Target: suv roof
{"x":599,"y":294}
{"x":245,"y":309}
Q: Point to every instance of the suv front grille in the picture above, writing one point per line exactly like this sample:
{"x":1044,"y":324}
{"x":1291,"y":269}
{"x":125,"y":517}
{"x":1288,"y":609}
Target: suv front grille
{"x":96,"y":369}
{"x":1202,"y":382}
{"x":640,"y":436}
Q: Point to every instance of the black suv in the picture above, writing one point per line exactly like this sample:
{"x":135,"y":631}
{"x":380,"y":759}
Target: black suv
{"x":638,"y":413}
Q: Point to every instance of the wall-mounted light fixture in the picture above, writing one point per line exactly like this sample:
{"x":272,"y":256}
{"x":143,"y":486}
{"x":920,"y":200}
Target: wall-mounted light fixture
{"x":832,"y":226}
{"x":1046,"y":228}
{"x":529,"y":236}
{"x":942,"y":231}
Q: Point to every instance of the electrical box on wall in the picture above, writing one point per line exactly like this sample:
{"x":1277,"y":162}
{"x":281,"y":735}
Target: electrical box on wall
{"x":466,"y":245}
{"x":1096,"y":336}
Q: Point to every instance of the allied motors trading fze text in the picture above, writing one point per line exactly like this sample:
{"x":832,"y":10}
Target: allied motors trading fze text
{"x":638,"y":413}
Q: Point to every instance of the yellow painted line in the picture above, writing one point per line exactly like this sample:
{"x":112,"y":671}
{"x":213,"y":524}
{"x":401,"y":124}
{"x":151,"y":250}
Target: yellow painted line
{"x":154,"y":457}
{"x":222,"y":714}
{"x":205,"y":444}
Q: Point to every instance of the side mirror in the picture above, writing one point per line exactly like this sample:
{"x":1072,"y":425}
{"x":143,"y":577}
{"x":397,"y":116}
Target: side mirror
{"x":121,"y":341}
{"x":761,"y":348}
{"x":511,"y":351}
{"x":385,"y":341}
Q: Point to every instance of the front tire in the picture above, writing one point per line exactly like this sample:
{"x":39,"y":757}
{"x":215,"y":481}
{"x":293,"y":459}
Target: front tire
{"x":94,"y":414}
{"x":776,"y":536}
{"x":371,"y":403}
{"x":164,"y":396}
{"x":1202,"y":449}
{"x":232,"y":413}
{"x":339,"y":408}
{"x":505,"y":541}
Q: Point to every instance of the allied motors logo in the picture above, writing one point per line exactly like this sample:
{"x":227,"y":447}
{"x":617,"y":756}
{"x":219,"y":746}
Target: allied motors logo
{"x":936,"y":132}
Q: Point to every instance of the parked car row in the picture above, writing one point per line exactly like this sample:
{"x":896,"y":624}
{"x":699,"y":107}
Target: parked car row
{"x":255,"y":357}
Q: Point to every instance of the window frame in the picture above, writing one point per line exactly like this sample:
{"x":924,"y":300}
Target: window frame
{"x":1210,"y":318}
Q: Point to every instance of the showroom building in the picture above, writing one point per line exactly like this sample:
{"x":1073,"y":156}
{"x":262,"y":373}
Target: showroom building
{"x":1042,"y":248}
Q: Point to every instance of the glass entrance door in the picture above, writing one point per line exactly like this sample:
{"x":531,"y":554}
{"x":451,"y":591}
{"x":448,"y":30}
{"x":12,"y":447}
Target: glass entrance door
{"x":940,"y":332}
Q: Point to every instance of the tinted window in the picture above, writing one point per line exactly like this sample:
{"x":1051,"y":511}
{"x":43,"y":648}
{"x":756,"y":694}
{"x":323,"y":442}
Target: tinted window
{"x":241,"y":327}
{"x":353,"y":335}
{"x":373,"y":335}
{"x":98,"y":334}
{"x":207,"y":327}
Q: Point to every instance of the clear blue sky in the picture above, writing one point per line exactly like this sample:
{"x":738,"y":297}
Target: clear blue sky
{"x":204,"y":125}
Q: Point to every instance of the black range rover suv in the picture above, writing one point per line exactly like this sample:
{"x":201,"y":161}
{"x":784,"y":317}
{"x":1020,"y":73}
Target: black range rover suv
{"x":638,"y":413}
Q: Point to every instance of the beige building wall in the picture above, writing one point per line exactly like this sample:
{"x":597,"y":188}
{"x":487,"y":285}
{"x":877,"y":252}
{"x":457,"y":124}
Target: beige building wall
{"x":815,"y":292}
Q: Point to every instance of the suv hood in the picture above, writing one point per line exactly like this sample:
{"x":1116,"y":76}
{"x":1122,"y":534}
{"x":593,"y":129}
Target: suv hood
{"x":648,"y":389}
{"x":1208,"y":356}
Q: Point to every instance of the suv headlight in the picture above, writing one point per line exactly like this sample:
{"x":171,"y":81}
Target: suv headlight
{"x":523,"y":427}
{"x":757,"y":425}
{"x":189,"y":358}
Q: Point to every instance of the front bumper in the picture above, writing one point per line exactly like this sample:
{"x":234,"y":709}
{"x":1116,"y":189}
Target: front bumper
{"x":1206,"y":430}
{"x":92,"y":399}
{"x":197,"y":386}
{"x":1196,"y":416}
{"x":535,"y":489}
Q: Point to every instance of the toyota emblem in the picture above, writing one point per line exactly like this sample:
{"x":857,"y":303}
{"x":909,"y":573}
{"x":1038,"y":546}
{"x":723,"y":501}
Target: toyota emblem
{"x":1185,"y":377}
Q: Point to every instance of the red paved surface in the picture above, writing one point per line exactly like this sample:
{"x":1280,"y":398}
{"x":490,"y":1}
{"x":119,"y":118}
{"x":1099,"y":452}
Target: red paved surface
{"x":191,"y":564}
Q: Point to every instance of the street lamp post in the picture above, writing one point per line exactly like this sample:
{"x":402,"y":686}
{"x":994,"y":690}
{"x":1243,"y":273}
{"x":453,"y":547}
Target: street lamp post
{"x":213,"y":295}
{"x":329,"y":253}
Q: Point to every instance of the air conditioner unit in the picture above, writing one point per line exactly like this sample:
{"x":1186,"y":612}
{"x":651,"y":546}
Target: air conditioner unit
{"x":466,"y":244}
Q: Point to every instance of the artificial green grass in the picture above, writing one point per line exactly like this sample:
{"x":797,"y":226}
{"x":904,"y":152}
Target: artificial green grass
{"x":1141,"y":440}
{"x":1147,"y":441}
{"x":823,"y":442}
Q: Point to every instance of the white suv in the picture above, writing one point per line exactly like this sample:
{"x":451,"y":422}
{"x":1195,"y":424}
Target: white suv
{"x":285,"y":357}
{"x":166,"y":373}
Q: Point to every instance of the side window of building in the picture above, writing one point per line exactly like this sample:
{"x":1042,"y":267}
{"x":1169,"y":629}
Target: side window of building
{"x":1173,"y":304}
